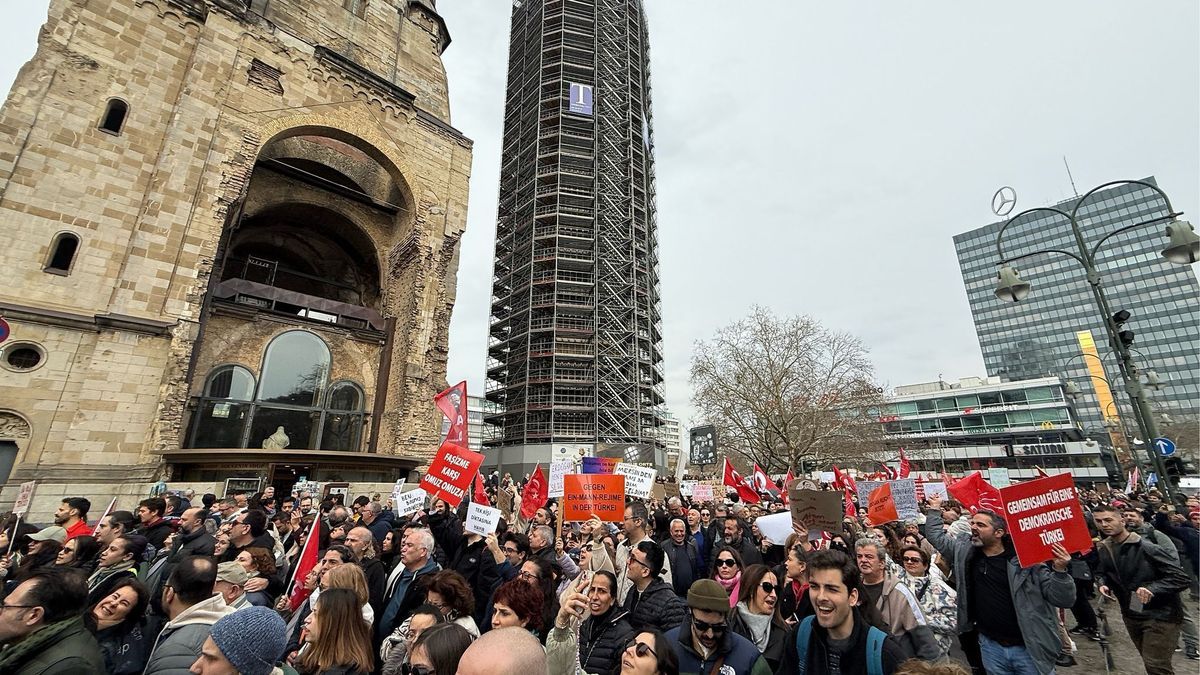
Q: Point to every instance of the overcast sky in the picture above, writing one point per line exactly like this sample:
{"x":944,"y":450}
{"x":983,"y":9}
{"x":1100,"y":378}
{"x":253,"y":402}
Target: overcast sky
{"x":817,"y":157}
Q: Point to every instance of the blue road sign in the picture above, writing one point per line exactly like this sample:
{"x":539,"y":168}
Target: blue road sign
{"x":1165,"y":445}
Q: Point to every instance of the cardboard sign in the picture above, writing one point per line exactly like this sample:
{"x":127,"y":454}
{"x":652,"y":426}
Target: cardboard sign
{"x":600,"y":464}
{"x":557,"y":471}
{"x":451,"y":473}
{"x":673,"y":489}
{"x":24,"y":497}
{"x":639,"y":480}
{"x":659,"y":491}
{"x":411,"y":502}
{"x":904,"y":494}
{"x":702,"y":492}
{"x":816,"y":509}
{"x":482,"y":520}
{"x":1044,"y":512}
{"x":881,"y":508}
{"x":504,"y":500}
{"x":600,"y":495}
{"x":937,"y":489}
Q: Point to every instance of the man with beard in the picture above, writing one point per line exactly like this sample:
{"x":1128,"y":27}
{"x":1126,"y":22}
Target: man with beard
{"x":362,"y":543}
{"x":704,"y":644}
{"x":602,"y":636}
{"x":72,"y":516}
{"x":636,"y":527}
{"x":841,"y":641}
{"x":1135,"y":522}
{"x":734,"y":537}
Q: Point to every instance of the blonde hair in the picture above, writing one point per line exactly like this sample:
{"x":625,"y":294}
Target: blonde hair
{"x":351,"y":577}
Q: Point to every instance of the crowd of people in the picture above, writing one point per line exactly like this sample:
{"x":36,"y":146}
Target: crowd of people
{"x":206,"y":585}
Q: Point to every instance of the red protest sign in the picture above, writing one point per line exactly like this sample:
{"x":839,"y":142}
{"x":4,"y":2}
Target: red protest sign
{"x":881,"y":508}
{"x":593,"y":494}
{"x":451,"y":473}
{"x":1044,"y":512}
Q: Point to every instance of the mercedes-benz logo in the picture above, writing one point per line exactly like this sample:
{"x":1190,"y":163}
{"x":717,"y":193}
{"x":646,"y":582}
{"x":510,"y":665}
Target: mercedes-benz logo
{"x":1004,"y":201}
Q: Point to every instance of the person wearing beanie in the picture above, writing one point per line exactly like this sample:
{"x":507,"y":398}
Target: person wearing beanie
{"x":249,"y":642}
{"x":704,"y":643}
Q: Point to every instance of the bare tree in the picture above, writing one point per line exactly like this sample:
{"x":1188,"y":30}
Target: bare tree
{"x":788,"y":393}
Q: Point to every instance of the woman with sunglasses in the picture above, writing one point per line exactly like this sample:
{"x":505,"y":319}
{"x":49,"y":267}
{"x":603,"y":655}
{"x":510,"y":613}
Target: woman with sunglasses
{"x":80,"y":553}
{"x":756,"y":616}
{"x":727,"y":571}
{"x":938,"y":601}
{"x":438,"y":650}
{"x":649,"y":653}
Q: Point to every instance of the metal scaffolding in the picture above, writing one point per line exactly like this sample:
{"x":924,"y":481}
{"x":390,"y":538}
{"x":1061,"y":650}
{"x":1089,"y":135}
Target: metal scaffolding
{"x":575,"y":352}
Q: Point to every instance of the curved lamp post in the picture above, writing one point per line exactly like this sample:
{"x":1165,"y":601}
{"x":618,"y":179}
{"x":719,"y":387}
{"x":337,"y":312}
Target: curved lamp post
{"x":1183,"y":248}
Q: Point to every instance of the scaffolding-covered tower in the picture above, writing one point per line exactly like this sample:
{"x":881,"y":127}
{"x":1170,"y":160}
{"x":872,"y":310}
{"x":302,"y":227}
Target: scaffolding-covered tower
{"x":575,"y":352}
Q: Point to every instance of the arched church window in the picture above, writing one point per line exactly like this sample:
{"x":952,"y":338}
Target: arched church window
{"x":232,"y":382}
{"x":221,"y":416}
{"x":344,"y":418}
{"x":295,"y":369}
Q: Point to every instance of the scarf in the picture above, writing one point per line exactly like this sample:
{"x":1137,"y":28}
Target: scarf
{"x":14,"y":655}
{"x":103,"y":573}
{"x":732,"y":586}
{"x":759,"y":625}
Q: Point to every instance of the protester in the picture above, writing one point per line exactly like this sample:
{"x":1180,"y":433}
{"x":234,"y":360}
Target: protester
{"x":756,"y":617}
{"x":116,"y":561}
{"x":683,"y":556}
{"x":466,"y":554}
{"x":42,"y":626}
{"x":361,"y":541}
{"x":120,"y":627}
{"x":649,"y":653}
{"x":80,"y":553}
{"x":247,"y":642}
{"x":439,"y":649}
{"x":41,"y":552}
{"x":794,"y":602}
{"x":651,"y":602}
{"x":258,"y":562}
{"x":938,"y":602}
{"x":734,"y":536}
{"x":115,"y":524}
{"x":727,"y":571}
{"x":403,"y":594}
{"x":152,"y":525}
{"x":192,"y":608}
{"x":336,"y":637}
{"x":635,"y":527}
{"x":518,"y":603}
{"x":703,"y":643}
{"x":897,"y":605}
{"x":601,"y":636}
{"x":396,"y":647}
{"x":72,"y":516}
{"x":505,"y":651}
{"x":231,"y":584}
{"x":448,"y":591}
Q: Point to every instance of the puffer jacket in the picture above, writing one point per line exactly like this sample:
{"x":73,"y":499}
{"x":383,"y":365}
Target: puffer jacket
{"x":1137,"y":563}
{"x":906,"y":621}
{"x":735,"y":652}
{"x":179,"y":644}
{"x":1038,"y":592}
{"x":603,"y":640}
{"x":656,"y":607}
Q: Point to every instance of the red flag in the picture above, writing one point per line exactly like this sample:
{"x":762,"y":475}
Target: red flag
{"x":734,"y":480}
{"x":850,"y":508}
{"x":534,"y":496}
{"x":306,"y":563}
{"x":975,"y":493}
{"x":905,"y":467}
{"x":763,"y":483}
{"x":480,"y":496}
{"x":844,"y":480}
{"x":787,"y":480}
{"x":453,"y":404}
{"x":888,"y":472}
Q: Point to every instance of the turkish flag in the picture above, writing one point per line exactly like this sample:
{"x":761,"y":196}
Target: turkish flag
{"x":850,"y":508}
{"x":480,"y":496}
{"x":734,"y":480}
{"x":905,"y":467}
{"x":453,"y":404}
{"x":305,"y":564}
{"x":763,"y":482}
{"x":976,"y":494}
{"x":534,"y":496}
{"x":787,"y":481}
{"x":844,"y":480}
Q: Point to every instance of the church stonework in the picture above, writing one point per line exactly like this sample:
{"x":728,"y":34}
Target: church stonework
{"x":223,"y":218}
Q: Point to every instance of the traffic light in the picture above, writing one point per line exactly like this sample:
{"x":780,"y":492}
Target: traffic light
{"x":1119,"y":319}
{"x":1176,"y":466}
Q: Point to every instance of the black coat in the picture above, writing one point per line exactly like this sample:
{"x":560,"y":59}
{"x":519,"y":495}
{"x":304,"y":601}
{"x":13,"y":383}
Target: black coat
{"x":685,"y":564}
{"x":656,"y":607}
{"x":1136,"y":563}
{"x":777,"y":638}
{"x":373,"y":570}
{"x":126,"y":651}
{"x":602,"y":639}
{"x":790,"y":605}
{"x":157,"y":533}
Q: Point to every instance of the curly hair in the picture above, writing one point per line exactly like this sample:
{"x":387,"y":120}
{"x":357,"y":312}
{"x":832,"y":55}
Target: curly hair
{"x":524,"y":599}
{"x":455,"y":592}
{"x":264,"y":560}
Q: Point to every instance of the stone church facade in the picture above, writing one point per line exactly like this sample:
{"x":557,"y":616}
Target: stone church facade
{"x":232,"y":232}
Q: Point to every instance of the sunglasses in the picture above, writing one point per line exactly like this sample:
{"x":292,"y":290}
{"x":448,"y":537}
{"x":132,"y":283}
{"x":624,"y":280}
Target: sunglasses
{"x":704,"y":626}
{"x":908,"y":559}
{"x":410,"y":669}
{"x":726,"y":562}
{"x":768,"y":586}
{"x":641,"y":649}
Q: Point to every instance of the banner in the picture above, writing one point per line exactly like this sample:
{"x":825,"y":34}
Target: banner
{"x":453,"y":404}
{"x":659,"y":491}
{"x":702,"y":492}
{"x":587,"y":495}
{"x":600,"y":464}
{"x":482,"y":520}
{"x":816,"y":509}
{"x":451,"y":473}
{"x":1044,"y":512}
{"x":776,"y":527}
{"x":411,"y":502}
{"x":639,"y":480}
{"x":881,"y":508}
{"x":703,"y":448}
{"x":557,"y":471}
{"x":904,"y":494}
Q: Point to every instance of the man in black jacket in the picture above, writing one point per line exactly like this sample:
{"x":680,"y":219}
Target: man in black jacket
{"x":1140,"y":576}
{"x":362,"y":543}
{"x":152,"y":525}
{"x":683,"y":556}
{"x":651,"y":602}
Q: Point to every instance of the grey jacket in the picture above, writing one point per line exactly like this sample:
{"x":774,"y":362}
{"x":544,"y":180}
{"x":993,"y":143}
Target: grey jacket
{"x":179,"y":644}
{"x":1036,"y":593}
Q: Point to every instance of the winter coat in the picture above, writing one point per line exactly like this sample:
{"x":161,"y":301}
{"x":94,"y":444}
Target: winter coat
{"x":1037,"y":593}
{"x":778,"y":635}
{"x":853,"y":662}
{"x":734,"y":651}
{"x":792,"y":606}
{"x":1137,"y":563}
{"x":179,"y":644}
{"x":598,"y":646}
{"x":745,"y":548}
{"x":125,"y":650}
{"x":156,"y":533}
{"x":376,"y":577}
{"x":1187,"y":534}
{"x":62,"y":648}
{"x":622,"y":566}
{"x":382,"y":524}
{"x":656,"y":607}
{"x":685,"y":564}
{"x":938,"y":602}
{"x":197,"y":543}
{"x":905,"y":621}
{"x":401,"y":601}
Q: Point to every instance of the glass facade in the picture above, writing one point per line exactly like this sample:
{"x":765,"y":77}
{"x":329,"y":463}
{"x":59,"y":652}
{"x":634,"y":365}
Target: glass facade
{"x":1037,"y":336}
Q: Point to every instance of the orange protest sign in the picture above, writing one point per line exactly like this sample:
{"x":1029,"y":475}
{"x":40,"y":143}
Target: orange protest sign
{"x":881,"y":508}
{"x":593,"y":494}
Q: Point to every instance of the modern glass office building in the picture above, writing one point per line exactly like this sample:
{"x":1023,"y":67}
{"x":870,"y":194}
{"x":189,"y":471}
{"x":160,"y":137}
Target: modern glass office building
{"x":1051,"y":332}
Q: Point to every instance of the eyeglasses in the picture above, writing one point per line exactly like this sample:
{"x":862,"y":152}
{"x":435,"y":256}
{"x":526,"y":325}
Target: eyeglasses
{"x":641,"y":649}
{"x":4,"y":605}
{"x":410,"y":669}
{"x":726,"y":562}
{"x":704,"y":626}
{"x":633,"y":559}
{"x":910,"y":559}
{"x":768,"y":586}
{"x":527,"y":575}
{"x":705,"y":514}
{"x":514,"y":551}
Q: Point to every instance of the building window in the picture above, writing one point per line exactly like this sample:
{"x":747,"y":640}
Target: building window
{"x":23,"y":357}
{"x":62,"y":253}
{"x":114,"y":116}
{"x":294,"y":369}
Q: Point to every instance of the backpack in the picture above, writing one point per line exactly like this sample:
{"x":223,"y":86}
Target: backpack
{"x":875,"y":638}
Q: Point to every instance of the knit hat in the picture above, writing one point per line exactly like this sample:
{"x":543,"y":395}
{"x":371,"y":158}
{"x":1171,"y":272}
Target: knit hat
{"x":232,"y":572}
{"x":708,"y":595}
{"x":53,"y":532}
{"x":253,"y":639}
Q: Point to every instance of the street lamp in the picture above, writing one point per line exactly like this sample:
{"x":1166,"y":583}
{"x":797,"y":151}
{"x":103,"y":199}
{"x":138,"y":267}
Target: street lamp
{"x":1183,"y":248}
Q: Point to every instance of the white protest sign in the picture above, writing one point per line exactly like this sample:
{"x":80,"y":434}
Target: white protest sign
{"x":24,"y":497}
{"x":865,"y":488}
{"x":998,"y":477}
{"x":482,"y":520}
{"x":828,"y":477}
{"x":904,"y":494}
{"x":557,"y":471}
{"x":702,"y":492}
{"x":411,"y":501}
{"x":775,"y":527}
{"x":685,"y":487}
{"x":639,"y":480}
{"x":937,"y":489}
{"x":397,"y":490}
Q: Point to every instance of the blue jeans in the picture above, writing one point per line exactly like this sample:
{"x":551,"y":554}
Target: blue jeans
{"x":1001,"y":660}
